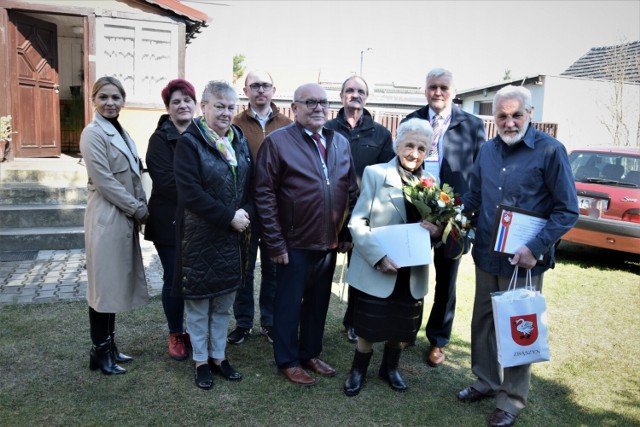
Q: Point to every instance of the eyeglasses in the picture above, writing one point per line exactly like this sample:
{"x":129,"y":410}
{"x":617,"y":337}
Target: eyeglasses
{"x":222,"y":108}
{"x":313,"y":103}
{"x":256,"y":86}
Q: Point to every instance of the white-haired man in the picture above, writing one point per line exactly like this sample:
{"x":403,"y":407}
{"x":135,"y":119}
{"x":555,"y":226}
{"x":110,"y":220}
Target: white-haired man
{"x":457,"y":139}
{"x":528,"y":169}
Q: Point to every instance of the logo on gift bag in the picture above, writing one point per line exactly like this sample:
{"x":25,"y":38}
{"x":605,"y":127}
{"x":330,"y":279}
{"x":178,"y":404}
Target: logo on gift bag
{"x":524,"y":329}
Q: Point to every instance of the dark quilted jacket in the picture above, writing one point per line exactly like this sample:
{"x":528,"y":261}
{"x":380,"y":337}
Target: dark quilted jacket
{"x":211,"y":256}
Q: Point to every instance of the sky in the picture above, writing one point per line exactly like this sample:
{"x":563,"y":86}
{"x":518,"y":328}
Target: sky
{"x":301,"y":41}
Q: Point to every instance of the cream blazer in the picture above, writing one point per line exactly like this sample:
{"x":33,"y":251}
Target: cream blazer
{"x":381,"y":203}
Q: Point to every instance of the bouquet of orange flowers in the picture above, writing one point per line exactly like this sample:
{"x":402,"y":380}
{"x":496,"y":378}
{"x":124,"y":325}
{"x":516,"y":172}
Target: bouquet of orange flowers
{"x":441,"y":205}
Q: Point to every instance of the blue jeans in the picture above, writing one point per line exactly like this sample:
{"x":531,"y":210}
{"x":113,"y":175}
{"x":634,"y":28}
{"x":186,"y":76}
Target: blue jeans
{"x":173,"y":306}
{"x":300,"y":309}
{"x":208,"y":320}
{"x":243,"y":307}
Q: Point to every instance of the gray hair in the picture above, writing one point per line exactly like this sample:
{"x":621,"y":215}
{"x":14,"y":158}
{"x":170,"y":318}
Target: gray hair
{"x":412,"y":125}
{"x":353,"y":78}
{"x":219,"y":89}
{"x":510,"y":92}
{"x":439,"y":72}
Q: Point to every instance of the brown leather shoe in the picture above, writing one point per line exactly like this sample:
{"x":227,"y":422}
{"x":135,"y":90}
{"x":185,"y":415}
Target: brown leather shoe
{"x":319,"y":367}
{"x":177,"y":349}
{"x":435,"y":357}
{"x":500,"y":418}
{"x":470,"y":395}
{"x":297,"y":375}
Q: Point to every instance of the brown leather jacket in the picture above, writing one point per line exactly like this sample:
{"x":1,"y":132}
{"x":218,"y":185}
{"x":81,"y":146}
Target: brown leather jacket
{"x":298,"y":207}
{"x":253,"y":130}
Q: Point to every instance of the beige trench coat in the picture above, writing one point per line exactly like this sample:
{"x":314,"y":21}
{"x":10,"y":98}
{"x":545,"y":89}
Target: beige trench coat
{"x":114,"y":259}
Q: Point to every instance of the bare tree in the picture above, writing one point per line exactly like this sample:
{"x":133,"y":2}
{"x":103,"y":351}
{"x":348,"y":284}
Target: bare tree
{"x":621,"y":62}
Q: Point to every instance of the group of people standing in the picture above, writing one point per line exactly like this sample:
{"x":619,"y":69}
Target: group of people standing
{"x":226,"y":184}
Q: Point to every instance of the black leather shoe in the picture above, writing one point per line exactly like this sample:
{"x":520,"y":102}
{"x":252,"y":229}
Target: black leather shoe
{"x":225,"y":370}
{"x":101,"y":357}
{"x":120,"y":357}
{"x":117,"y":356}
{"x":500,"y":418}
{"x":204,"y":379}
{"x":470,"y":395}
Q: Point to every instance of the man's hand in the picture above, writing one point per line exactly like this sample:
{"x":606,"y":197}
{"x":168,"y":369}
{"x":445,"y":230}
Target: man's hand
{"x":523,"y":258}
{"x":281,"y":259}
{"x":344,"y":247}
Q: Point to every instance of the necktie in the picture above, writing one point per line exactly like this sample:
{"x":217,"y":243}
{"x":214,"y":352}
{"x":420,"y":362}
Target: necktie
{"x":323,"y":151}
{"x":437,"y":127}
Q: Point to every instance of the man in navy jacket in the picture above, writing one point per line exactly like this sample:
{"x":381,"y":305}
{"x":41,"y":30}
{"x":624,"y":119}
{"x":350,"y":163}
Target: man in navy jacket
{"x":458,"y":137}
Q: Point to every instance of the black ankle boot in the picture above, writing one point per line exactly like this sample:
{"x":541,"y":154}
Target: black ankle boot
{"x":116,"y":355}
{"x":389,"y":368}
{"x":102,"y":357}
{"x":359,"y":366}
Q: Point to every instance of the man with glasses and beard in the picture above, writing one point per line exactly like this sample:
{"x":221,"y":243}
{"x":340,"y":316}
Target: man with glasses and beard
{"x":527,"y":169}
{"x":260,"y":118}
{"x":305,"y":190}
{"x":370,"y":142}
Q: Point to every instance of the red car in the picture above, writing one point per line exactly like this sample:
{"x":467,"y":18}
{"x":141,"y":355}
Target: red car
{"x":608,"y":186}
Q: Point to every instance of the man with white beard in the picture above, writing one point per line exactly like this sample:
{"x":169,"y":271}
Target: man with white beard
{"x":527,"y":169}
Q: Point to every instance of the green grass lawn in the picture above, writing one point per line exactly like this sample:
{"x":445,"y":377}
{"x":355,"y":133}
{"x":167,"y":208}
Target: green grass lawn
{"x":593,"y":299}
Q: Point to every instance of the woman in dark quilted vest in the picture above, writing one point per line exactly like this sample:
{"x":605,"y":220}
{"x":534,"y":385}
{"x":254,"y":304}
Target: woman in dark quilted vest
{"x":214,"y":173}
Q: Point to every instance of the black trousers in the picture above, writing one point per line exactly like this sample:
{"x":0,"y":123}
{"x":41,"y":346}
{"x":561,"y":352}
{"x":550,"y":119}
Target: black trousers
{"x":440,"y":321}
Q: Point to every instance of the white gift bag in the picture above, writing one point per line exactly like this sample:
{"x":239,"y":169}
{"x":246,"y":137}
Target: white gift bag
{"x":520,"y":319}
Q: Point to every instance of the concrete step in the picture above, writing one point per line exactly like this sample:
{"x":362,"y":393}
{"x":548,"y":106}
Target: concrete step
{"x":25,"y":216}
{"x":40,"y":238}
{"x":76,"y":176}
{"x":33,"y":194}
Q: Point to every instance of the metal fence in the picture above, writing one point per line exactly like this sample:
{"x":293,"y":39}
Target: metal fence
{"x":392,"y":120}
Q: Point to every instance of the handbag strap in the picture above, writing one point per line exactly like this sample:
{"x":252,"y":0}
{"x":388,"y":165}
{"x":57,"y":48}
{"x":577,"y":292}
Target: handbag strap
{"x":514,"y":280}
{"x":528,"y":283}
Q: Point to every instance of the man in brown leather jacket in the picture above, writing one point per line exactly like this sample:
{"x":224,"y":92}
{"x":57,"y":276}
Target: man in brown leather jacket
{"x":259,"y":119}
{"x":305,"y":189}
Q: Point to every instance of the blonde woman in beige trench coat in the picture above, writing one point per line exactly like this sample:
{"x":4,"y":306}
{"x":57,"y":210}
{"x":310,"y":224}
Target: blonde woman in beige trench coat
{"x":116,"y":207}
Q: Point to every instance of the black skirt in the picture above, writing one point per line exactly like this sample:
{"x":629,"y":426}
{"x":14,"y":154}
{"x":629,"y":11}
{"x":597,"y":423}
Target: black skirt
{"x":395,"y":318}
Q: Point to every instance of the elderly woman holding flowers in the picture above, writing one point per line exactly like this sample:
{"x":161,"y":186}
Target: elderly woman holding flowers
{"x":388,"y":300}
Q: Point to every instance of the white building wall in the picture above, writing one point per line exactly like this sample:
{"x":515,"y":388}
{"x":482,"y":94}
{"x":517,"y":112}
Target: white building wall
{"x":582,"y":107}
{"x":210,"y":55}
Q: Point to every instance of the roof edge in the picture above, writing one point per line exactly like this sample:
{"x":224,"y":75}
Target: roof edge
{"x":180,"y":9}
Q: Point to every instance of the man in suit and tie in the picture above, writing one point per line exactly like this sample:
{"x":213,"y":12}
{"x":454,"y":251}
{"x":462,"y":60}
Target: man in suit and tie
{"x":305,"y":190}
{"x":457,"y":139}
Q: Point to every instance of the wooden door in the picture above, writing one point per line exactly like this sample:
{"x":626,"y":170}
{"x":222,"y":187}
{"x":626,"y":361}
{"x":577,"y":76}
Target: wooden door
{"x":35,"y":106}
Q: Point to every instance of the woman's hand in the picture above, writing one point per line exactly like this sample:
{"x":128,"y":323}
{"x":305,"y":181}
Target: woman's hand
{"x":240,"y":220}
{"x":435,"y":230}
{"x":386,"y":265}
